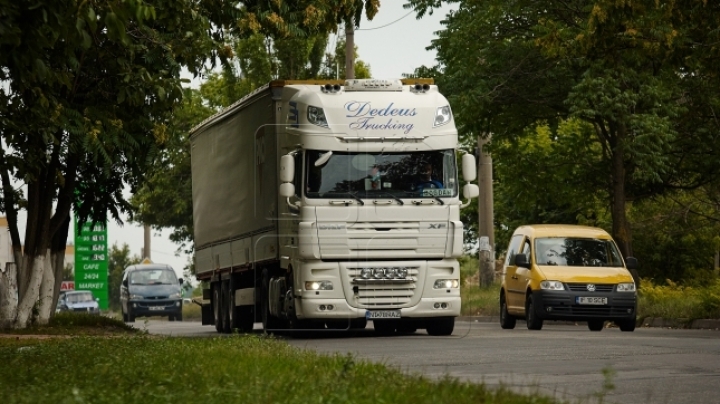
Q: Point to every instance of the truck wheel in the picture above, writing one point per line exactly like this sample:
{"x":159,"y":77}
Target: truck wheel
{"x":244,"y":318}
{"x":217,"y":303}
{"x":269,"y":321}
{"x":533,"y":321}
{"x":507,"y":321}
{"x":440,"y":326}
{"x":358,"y":323}
{"x":626,"y":325}
{"x":384,"y":327}
{"x":596,"y":325}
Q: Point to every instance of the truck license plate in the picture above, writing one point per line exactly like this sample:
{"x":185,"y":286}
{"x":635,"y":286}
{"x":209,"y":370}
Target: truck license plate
{"x":381,"y":314}
{"x":591,"y":300}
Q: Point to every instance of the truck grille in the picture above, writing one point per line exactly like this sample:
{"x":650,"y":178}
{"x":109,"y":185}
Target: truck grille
{"x":383,"y":293}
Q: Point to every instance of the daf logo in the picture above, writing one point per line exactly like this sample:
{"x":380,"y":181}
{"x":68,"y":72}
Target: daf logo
{"x":437,"y":226}
{"x":590,"y":287}
{"x":331,"y":226}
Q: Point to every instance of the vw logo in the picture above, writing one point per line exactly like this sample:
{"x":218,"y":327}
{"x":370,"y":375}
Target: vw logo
{"x":590,"y":287}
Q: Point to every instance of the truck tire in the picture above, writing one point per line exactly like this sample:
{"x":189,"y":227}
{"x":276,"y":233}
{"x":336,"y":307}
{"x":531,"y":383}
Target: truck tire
{"x":269,"y":321}
{"x":384,"y":327}
{"x":533,"y":321}
{"x":242,"y":318}
{"x":440,"y":326}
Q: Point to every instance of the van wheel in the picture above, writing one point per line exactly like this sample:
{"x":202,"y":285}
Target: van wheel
{"x":596,"y":325}
{"x":507,"y":321}
{"x":178,"y":317}
{"x":130,"y":316}
{"x":125,"y":317}
{"x":533,"y":321}
{"x":626,"y":325}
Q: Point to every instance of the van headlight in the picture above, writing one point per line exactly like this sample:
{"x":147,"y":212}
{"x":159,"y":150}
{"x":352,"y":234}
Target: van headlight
{"x":319,"y":285}
{"x":446,"y":284}
{"x":136,"y":297}
{"x":175,"y":295}
{"x":552,"y":285}
{"x":626,"y":287}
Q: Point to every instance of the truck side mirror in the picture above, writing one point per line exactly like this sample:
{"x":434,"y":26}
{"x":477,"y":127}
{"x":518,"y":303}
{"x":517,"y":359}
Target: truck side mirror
{"x":469,"y":167}
{"x":287,"y":168}
{"x":470,"y":191}
{"x":287,"y":189}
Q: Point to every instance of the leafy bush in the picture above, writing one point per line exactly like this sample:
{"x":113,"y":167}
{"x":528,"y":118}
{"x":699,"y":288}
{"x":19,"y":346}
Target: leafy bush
{"x":674,"y":300}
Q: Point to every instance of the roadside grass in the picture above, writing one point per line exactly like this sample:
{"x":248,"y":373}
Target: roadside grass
{"x":240,"y":369}
{"x":68,"y":323}
{"x":676,"y":301}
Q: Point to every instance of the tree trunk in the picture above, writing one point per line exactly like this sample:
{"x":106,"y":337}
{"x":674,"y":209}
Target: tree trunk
{"x":57,"y":247}
{"x":349,"y":49}
{"x":47,"y":290}
{"x":621,"y":228}
{"x":35,"y":266}
{"x":8,"y":295}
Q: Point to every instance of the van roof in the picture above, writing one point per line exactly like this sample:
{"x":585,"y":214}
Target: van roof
{"x":562,"y":230}
{"x":136,"y":267}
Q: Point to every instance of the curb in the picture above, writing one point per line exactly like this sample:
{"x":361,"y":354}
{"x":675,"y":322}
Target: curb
{"x":649,"y":322}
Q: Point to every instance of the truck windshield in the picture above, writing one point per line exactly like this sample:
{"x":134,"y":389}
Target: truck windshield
{"x":576,"y":252}
{"x":428,"y":174}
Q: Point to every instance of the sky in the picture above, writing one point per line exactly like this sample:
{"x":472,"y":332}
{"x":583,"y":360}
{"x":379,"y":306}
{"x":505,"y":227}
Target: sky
{"x":392,"y":44}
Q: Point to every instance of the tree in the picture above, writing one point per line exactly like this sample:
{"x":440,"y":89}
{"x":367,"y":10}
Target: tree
{"x":633,"y":77}
{"x":118,"y":259}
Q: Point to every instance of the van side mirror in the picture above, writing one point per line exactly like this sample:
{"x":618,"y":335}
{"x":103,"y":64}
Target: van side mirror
{"x":521,"y":260}
{"x":181,"y":280}
{"x":125,"y":282}
{"x":631,"y":263}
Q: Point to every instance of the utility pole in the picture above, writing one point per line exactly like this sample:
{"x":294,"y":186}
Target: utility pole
{"x":486,"y":230}
{"x":349,"y":48}
{"x":146,"y":243}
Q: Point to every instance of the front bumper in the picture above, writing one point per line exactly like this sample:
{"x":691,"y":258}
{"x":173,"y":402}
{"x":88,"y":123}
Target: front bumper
{"x":562,"y":305}
{"x":313,"y":308}
{"x":155,"y":307}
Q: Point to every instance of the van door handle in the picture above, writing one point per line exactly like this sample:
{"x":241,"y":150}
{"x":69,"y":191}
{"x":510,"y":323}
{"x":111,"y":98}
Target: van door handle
{"x":514,"y":277}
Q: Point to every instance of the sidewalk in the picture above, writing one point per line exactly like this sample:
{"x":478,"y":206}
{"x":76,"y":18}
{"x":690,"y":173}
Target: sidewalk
{"x":700,"y":324}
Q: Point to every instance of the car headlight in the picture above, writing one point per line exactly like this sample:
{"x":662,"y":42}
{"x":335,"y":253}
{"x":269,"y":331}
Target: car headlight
{"x":136,"y":297}
{"x":446,"y":284}
{"x":175,"y":295}
{"x":552,"y":285}
{"x":316,"y":116}
{"x":319,"y":285}
{"x":626,"y":287}
{"x":442,"y":116}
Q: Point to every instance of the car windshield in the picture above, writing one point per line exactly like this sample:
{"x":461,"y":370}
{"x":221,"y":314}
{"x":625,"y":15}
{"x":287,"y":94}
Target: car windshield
{"x":576,"y":252}
{"x":79,"y":297}
{"x":153,"y":277}
{"x":430,"y":174}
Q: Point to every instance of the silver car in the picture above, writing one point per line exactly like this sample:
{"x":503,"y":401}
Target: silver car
{"x":79,"y":301}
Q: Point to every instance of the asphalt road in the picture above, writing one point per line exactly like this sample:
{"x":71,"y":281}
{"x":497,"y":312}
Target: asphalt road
{"x":650,"y":365}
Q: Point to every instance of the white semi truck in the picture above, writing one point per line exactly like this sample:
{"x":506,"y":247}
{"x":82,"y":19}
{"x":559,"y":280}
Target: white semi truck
{"x":327,"y":204}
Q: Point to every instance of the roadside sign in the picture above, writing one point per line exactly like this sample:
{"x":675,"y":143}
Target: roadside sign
{"x":67,"y":285}
{"x":91,"y":260}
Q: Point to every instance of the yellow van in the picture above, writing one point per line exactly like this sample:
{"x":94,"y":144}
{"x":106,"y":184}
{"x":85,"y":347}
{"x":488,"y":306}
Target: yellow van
{"x":566,"y":272}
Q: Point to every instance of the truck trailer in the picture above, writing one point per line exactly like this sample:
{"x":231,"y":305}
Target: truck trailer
{"x":326,"y":204}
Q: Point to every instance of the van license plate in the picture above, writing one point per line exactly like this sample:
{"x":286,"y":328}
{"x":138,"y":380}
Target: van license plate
{"x":591,"y":300}
{"x":381,"y":314}
{"x":156,"y":308}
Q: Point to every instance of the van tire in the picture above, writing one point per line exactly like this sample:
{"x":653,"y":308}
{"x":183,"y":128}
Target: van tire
{"x":507,"y":321}
{"x":596,"y":325}
{"x":626,"y":325}
{"x":533,"y":321}
{"x":130,"y":316}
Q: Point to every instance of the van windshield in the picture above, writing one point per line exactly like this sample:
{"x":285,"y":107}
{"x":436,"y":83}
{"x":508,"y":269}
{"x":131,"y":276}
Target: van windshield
{"x":577,"y":252}
{"x":153,"y":277}
{"x":79,"y":297}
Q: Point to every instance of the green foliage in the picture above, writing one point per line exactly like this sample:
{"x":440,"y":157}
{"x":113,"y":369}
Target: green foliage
{"x":675,"y":301}
{"x":69,"y":323}
{"x":236,"y":369}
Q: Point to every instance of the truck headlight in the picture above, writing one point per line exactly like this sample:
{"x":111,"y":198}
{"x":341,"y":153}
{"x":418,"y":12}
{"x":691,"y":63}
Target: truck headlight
{"x":319,"y":285}
{"x":446,"y":284}
{"x":626,"y":287}
{"x":316,"y":116}
{"x":442,"y":116}
{"x":552,"y":285}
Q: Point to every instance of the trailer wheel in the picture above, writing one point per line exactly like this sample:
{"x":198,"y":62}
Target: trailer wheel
{"x":216,"y":304}
{"x":225,"y":307}
{"x":242,"y":318}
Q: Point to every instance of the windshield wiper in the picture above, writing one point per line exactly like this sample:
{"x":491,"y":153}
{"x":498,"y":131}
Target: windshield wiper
{"x":357,"y":198}
{"x":399,"y":201}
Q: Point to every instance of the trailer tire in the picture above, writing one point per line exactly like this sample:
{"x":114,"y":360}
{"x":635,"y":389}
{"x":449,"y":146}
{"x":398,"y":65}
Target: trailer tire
{"x":225,"y":307}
